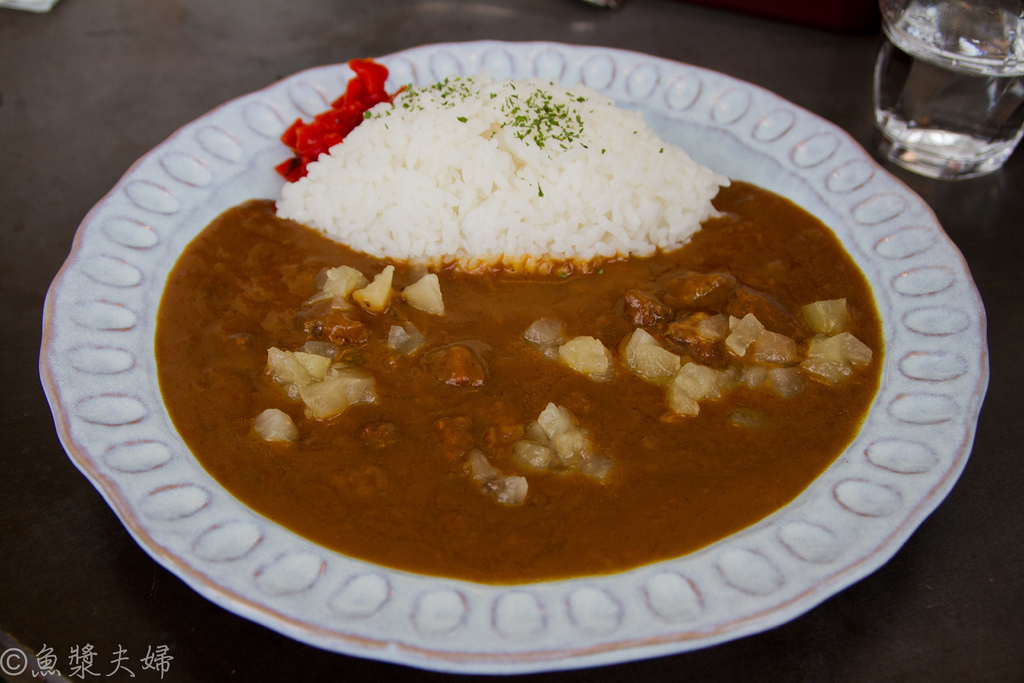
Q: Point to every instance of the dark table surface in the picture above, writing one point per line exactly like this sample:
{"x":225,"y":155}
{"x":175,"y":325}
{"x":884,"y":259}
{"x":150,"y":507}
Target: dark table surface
{"x":90,"y":86}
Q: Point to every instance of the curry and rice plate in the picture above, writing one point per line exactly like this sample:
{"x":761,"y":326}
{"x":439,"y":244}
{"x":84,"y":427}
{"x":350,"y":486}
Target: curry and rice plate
{"x":516,"y":341}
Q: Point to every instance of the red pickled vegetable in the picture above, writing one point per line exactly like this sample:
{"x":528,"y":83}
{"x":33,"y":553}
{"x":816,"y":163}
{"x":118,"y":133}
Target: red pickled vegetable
{"x":309,"y":140}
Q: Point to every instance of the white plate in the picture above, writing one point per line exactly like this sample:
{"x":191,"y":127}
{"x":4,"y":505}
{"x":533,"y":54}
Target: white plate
{"x":99,"y":372}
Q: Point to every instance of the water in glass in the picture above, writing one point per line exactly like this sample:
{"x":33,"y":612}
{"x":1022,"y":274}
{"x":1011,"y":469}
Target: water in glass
{"x":949,"y":85}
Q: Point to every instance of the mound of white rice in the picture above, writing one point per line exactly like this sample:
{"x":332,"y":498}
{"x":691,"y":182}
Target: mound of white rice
{"x":522,"y":172}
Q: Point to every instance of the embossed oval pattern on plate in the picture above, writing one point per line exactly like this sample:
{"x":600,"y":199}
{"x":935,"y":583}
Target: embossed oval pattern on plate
{"x":924,"y":408}
{"x":518,"y":614}
{"x":879,"y":208}
{"x":937,"y":321}
{"x":187,"y":169}
{"x":594,"y":610}
{"x":152,"y":197}
{"x":219,"y":143}
{"x":814,"y":150}
{"x":773,"y":125}
{"x":130,"y":233}
{"x":361,"y":596}
{"x":174,"y":502}
{"x":401,"y":72}
{"x":549,"y":64}
{"x":810,"y":542}
{"x":111,"y":410}
{"x":445,"y":65}
{"x":924,"y":281}
{"x":683,"y":91}
{"x":263,"y":119}
{"x":642,"y":80}
{"x":290,"y":573}
{"x":749,"y":571}
{"x":440,"y":612}
{"x":103,"y":315}
{"x":933,"y":366}
{"x":137,"y":456}
{"x":673,"y":597}
{"x":866,"y":498}
{"x":906,"y":242}
{"x":598,"y":72}
{"x":850,"y":176}
{"x":499,"y":62}
{"x":112,"y":271}
{"x":308,"y":99}
{"x":731,"y":105}
{"x":904,"y":457}
{"x":227,"y":542}
{"x":101,"y":360}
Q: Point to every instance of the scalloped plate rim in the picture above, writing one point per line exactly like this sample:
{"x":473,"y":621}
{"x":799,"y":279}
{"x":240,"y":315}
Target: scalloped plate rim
{"x":585,"y":650}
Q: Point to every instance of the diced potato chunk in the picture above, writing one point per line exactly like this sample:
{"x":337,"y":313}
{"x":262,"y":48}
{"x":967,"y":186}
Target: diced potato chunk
{"x":317,"y":297}
{"x":713,"y":328}
{"x":376,"y":296}
{"x":656,"y":365}
{"x":507,"y":490}
{"x":680,"y":402}
{"x":532,"y":455}
{"x":275,"y":425}
{"x":754,"y":375}
{"x":787,"y":382}
{"x":729,"y":378}
{"x":335,"y":285}
{"x":772,"y":347}
{"x":586,"y":355}
{"x":359,"y":385}
{"x":425,"y":294}
{"x":315,"y":364}
{"x":826,"y":348}
{"x":479,"y":468}
{"x":557,"y":442}
{"x":826,"y":357}
{"x":830,"y":371}
{"x":698,"y":381}
{"x":854,"y":350}
{"x":341,"y":388}
{"x":406,"y":338}
{"x":343,"y":280}
{"x":325,"y":399}
{"x":742,"y":333}
{"x":535,"y":431}
{"x":827,"y":317}
{"x":555,"y":419}
{"x":286,"y":369}
{"x":639,"y":337}
{"x":571,"y":447}
{"x":597,"y":466}
{"x":545,"y":332}
{"x":644,"y":356}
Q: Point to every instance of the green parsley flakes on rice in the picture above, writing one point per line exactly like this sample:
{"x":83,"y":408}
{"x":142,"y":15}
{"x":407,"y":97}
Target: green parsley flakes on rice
{"x":519,"y":173}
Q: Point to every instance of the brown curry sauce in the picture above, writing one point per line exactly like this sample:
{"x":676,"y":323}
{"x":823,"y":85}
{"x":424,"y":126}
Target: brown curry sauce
{"x":386,"y":482}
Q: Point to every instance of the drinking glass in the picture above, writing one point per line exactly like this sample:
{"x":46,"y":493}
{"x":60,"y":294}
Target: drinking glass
{"x":949,"y":85}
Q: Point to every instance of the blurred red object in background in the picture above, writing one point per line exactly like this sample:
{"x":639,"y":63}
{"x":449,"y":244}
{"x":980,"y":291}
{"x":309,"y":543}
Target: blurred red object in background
{"x":836,"y":15}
